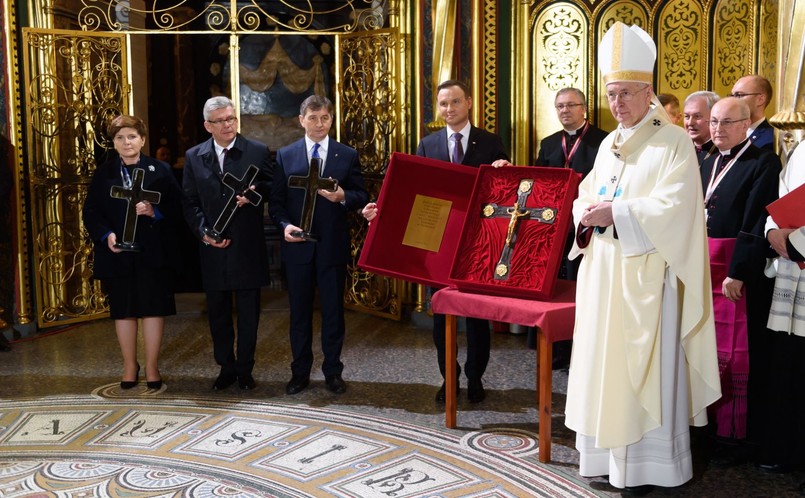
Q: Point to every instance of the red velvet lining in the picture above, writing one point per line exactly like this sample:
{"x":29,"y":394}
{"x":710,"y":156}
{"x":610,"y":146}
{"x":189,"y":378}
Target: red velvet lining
{"x":539,"y":246}
{"x":406,"y":176}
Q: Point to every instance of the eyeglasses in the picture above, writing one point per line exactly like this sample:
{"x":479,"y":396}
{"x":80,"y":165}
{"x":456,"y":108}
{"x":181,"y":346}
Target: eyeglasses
{"x":624,"y":95}
{"x":740,"y":95}
{"x":570,"y":106}
{"x":725,"y":123}
{"x":230,"y":120}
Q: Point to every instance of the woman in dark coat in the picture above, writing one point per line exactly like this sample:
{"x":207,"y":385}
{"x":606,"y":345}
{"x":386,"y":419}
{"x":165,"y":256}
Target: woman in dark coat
{"x":139,"y":284}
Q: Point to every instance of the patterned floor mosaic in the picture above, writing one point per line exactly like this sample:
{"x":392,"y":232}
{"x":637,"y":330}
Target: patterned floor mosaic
{"x":145,"y":444}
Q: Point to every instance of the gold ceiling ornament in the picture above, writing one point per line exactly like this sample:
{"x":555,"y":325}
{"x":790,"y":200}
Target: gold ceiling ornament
{"x":231,"y":15}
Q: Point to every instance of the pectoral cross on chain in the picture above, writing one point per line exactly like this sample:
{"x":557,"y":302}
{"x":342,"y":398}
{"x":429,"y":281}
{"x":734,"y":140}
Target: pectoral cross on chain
{"x":515,"y":213}
{"x":239,"y":187}
{"x":133,"y":194}
{"x":311,"y":184}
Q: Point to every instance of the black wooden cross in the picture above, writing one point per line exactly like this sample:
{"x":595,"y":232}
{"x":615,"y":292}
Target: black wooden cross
{"x":239,"y":187}
{"x":132,"y":195}
{"x":515,"y":213}
{"x":311,"y":184}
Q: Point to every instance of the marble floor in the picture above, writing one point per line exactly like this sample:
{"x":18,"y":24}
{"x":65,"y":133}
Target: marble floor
{"x":389,"y":367}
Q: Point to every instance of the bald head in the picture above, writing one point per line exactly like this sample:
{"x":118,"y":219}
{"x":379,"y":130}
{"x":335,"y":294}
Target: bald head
{"x":729,"y":120}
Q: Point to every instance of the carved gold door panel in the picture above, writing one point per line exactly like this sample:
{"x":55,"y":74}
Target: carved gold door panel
{"x":75,"y":82}
{"x":701,"y":45}
{"x":370,"y":102}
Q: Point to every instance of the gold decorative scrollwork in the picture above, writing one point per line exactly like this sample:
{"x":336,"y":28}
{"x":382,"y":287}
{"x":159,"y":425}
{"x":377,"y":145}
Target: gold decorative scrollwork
{"x":733,"y":41}
{"x":369,"y":96}
{"x":767,"y":58}
{"x":489,"y":53}
{"x":562,"y":38}
{"x":370,"y":107}
{"x":681,"y":21}
{"x":74,"y":85}
{"x":232,"y":15}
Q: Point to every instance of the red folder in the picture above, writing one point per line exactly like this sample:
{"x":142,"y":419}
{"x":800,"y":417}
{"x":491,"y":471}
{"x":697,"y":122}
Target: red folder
{"x":788,"y":212}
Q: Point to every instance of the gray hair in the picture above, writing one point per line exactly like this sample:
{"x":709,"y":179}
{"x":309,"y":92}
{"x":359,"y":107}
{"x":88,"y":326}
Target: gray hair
{"x":710,"y":98}
{"x":215,"y":103}
{"x":570,"y":89}
{"x":315,"y":103}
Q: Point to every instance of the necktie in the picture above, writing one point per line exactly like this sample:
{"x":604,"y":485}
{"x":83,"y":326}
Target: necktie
{"x":223,"y":158}
{"x":315,"y":155}
{"x":458,"y":150}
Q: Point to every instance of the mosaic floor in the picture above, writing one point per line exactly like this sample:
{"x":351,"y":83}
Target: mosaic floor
{"x":146,"y":444}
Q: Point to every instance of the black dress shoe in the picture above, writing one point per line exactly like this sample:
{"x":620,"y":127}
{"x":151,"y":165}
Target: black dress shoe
{"x":223,"y":381}
{"x":336,"y":384}
{"x":775,"y":468}
{"x":638,"y":490}
{"x":154,"y":384}
{"x":475,"y":391}
{"x":297,"y":384}
{"x":440,"y":394}
{"x":246,"y":382}
{"x":801,"y":489}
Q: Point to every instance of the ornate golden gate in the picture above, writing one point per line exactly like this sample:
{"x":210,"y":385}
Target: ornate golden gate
{"x":76,"y":80}
{"x":74,"y":84}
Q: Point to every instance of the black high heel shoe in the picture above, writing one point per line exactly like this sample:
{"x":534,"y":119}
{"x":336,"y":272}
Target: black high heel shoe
{"x":128,"y":384}
{"x":154,"y":384}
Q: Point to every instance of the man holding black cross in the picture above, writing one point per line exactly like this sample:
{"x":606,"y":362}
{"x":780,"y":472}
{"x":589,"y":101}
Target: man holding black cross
{"x":236,"y":263}
{"x":316,"y":255}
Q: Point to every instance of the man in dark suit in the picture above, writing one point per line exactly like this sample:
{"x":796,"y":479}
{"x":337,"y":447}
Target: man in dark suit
{"x":756,"y":92}
{"x":739,"y":181}
{"x":322,"y":263}
{"x":462,"y":143}
{"x":576,"y":145}
{"x":237,"y":265}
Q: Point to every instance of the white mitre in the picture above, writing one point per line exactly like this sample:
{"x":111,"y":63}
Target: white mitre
{"x":627,"y":53}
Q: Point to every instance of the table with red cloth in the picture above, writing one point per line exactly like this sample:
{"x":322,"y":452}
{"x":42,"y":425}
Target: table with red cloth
{"x":553,"y":319}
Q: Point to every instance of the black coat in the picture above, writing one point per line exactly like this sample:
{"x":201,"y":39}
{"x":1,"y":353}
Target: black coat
{"x":551,"y":153}
{"x":737,"y":207}
{"x":244,"y":263}
{"x":103,"y":214}
{"x":483,"y":147}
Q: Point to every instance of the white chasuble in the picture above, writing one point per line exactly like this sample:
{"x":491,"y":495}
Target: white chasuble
{"x":644,"y":362}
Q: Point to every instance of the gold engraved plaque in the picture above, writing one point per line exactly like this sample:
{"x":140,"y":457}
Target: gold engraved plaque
{"x":501,"y":269}
{"x":427,"y":222}
{"x":548,"y":214}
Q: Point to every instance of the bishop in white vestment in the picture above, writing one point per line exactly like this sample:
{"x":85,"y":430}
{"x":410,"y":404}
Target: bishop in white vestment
{"x":644,"y":363}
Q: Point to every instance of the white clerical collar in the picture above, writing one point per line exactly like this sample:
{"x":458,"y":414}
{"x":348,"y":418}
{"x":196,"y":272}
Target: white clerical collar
{"x":573,"y":132}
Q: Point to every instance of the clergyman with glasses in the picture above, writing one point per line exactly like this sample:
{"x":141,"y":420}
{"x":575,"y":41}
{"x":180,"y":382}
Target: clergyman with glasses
{"x":237,"y":265}
{"x":644,"y":362}
{"x":739,"y":181}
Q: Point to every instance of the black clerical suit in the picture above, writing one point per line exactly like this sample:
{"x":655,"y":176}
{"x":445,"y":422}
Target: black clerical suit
{"x":322,"y":263}
{"x":552,"y":153}
{"x":705,"y":151}
{"x":483,"y":147}
{"x":242,"y":267}
{"x":737,"y":209}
